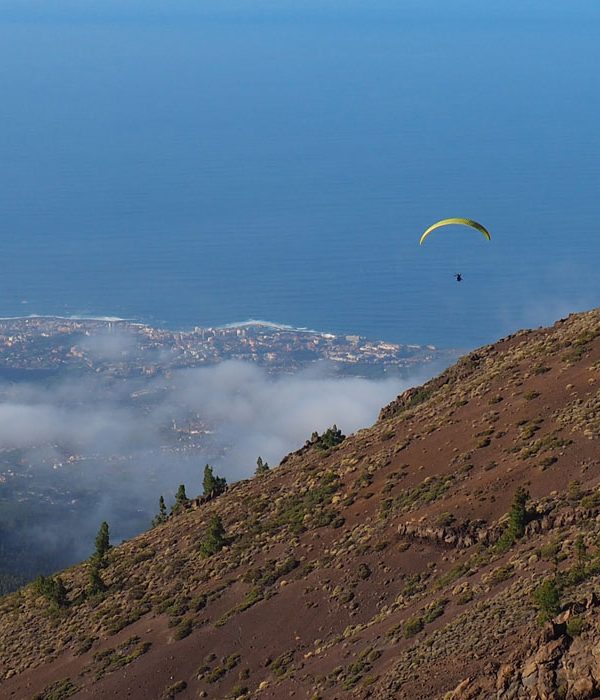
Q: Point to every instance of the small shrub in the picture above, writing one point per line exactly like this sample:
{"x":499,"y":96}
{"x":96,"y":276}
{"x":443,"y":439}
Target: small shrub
{"x":413,"y":626}
{"x":53,"y":589}
{"x":174,"y":690}
{"x":502,"y":573}
{"x":232,"y":661}
{"x":85,"y":646}
{"x":184,"y":629}
{"x":574,"y":491}
{"x":591,"y":501}
{"x":363,"y":571}
{"x":548,"y":461}
{"x":57,"y":691}
{"x":575,"y":626}
{"x":216,"y":674}
{"x":282,"y":663}
{"x":435,"y":610}
{"x":452,"y":575}
{"x":550,"y":551}
{"x":465,"y":597}
{"x":445,"y":519}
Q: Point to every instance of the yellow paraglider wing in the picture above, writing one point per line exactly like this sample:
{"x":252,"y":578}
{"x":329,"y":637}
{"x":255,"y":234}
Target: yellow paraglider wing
{"x":464,"y":222}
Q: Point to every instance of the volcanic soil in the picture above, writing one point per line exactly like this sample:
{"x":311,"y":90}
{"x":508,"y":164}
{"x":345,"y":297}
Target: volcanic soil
{"x":405,"y":562}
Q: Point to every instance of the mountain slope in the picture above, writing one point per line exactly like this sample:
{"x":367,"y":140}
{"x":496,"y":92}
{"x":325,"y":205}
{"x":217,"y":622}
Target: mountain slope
{"x":386,"y":567}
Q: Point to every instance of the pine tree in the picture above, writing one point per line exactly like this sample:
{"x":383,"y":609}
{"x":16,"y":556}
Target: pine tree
{"x":162,"y":513}
{"x":60,"y":593}
{"x":181,"y":499}
{"x":518,"y":516}
{"x":547,"y":598}
{"x":213,"y":485}
{"x":214,"y":540}
{"x":102,"y":544}
{"x":96,"y":584}
{"x":181,"y":496}
{"x":331,"y":437}
{"x":261,"y":467}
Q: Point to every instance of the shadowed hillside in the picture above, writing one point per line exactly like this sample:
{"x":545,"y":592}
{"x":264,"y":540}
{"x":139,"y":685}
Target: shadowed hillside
{"x":452,"y":550}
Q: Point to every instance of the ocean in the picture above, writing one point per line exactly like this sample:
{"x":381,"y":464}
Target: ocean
{"x":186,"y":165}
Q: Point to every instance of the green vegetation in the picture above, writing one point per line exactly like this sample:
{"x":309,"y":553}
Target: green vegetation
{"x":282,"y":663}
{"x":550,"y":551}
{"x":98,"y":561}
{"x":57,"y":691}
{"x":575,"y":626}
{"x":574,"y":491}
{"x":102,"y":545}
{"x":272,"y":571}
{"x":261,"y":467}
{"x":112,"y":659}
{"x":95,"y":583}
{"x":451,"y":575}
{"x":331,"y":437}
{"x":184,"y":628}
{"x":432,"y":489}
{"x":214,"y":540}
{"x":413,"y":626}
{"x":420,"y":396}
{"x":547,"y":599}
{"x":85,"y":646}
{"x":357,"y":670}
{"x":580,"y":550}
{"x":501,"y":574}
{"x":174,"y":690}
{"x":364,"y":571}
{"x":310,"y":510}
{"x":445,"y":519}
{"x":53,"y":589}
{"x":181,"y":499}
{"x":518,"y":517}
{"x":435,"y":610}
{"x":162,"y":516}
{"x":213,"y":485}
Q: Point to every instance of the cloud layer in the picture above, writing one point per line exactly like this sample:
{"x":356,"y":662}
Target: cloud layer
{"x":106,"y":448}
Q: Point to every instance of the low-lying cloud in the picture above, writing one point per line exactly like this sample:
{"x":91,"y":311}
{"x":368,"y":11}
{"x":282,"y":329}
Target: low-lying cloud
{"x":105,"y":449}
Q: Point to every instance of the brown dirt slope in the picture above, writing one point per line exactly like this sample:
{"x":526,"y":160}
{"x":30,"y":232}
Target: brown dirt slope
{"x":385,"y":567}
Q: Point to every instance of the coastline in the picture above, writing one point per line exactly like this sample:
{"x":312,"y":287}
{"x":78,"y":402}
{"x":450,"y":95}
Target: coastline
{"x":190,"y":329}
{"x":251,"y":322}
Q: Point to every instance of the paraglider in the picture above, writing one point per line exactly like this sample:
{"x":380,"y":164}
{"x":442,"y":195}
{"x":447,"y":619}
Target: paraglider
{"x":456,"y":220}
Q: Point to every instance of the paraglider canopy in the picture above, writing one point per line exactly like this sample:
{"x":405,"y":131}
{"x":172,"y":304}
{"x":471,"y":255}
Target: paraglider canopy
{"x":456,"y":220}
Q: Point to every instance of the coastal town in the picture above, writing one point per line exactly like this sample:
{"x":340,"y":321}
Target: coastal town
{"x":127,"y":348}
{"x":90,"y":405}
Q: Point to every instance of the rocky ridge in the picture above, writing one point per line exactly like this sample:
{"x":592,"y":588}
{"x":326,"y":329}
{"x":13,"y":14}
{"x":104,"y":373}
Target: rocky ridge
{"x":399,"y":564}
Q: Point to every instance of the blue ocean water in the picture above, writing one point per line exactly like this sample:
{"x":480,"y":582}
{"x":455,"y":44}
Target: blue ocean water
{"x":188,"y":165}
